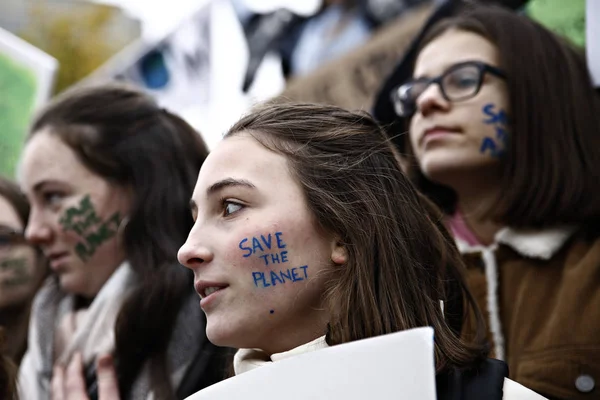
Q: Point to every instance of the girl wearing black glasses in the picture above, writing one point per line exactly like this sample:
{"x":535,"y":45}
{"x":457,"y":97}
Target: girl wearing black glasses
{"x":504,"y":135}
{"x":22,"y":270}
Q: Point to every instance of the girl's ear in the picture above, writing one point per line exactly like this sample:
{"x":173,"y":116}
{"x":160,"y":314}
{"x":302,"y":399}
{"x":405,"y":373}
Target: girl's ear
{"x":339,"y":254}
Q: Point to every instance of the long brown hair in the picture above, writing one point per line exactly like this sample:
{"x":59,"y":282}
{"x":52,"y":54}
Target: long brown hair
{"x":401,"y":260}
{"x":554,"y":124}
{"x":10,"y":191}
{"x":122,"y":135}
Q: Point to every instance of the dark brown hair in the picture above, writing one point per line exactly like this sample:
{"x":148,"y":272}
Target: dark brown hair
{"x":552,"y":164}
{"x":11,"y":192}
{"x":124,"y":136}
{"x":8,"y":372}
{"x":401,"y":260}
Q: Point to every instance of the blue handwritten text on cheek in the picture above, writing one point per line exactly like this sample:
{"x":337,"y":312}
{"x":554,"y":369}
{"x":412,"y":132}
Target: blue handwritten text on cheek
{"x":495,"y":146}
{"x":272,"y":278}
{"x":493,"y":117}
{"x":262,"y":244}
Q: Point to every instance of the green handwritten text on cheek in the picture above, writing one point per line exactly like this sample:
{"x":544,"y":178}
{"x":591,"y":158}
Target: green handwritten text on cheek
{"x":18,"y":267}
{"x":269,"y":249}
{"x":93,"y":232}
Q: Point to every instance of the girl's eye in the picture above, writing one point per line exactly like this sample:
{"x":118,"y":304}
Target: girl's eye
{"x":229,"y":207}
{"x":52,"y":198}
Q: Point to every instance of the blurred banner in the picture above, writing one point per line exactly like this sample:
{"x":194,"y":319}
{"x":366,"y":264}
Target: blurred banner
{"x":197,"y":70}
{"x":593,"y":39}
{"x":176,"y":69}
{"x":26,"y":79}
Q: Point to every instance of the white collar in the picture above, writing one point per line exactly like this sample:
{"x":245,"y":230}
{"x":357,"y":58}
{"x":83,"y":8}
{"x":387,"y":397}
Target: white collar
{"x":542,"y":244}
{"x":248,"y":359}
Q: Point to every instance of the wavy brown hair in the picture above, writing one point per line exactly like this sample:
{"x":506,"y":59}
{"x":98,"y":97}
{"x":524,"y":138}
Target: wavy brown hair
{"x":401,"y":260}
{"x":122,"y":135}
{"x":554,"y":124}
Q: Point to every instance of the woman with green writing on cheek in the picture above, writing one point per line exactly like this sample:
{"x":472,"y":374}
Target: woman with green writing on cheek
{"x":504,"y":136}
{"x":22,"y":270}
{"x":109,"y":175}
{"x":307,"y":234}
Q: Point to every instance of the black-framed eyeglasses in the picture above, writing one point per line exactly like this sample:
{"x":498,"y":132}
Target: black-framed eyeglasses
{"x":11,"y":237}
{"x":459,"y":82}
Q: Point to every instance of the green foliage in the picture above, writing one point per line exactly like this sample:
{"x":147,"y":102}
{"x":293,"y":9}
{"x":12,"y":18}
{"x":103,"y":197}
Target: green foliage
{"x":76,"y":38}
{"x":566,"y":18}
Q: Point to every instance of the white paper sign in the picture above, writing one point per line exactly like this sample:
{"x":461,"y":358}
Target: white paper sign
{"x":592,"y":39}
{"x":394,"y":366}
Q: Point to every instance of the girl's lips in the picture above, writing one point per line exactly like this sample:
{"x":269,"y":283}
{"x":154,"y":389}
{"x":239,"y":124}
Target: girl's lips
{"x":437,"y":133}
{"x":57,"y":260}
{"x":205,"y":288}
{"x":210,"y":298}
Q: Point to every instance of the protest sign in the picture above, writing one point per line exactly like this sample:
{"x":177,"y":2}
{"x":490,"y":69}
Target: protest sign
{"x":593,"y":39}
{"x":398,"y":365}
{"x":26,"y":78}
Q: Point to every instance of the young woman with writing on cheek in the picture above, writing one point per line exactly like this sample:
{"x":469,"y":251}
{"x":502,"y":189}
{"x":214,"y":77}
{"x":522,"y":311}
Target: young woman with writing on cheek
{"x":109,"y":175}
{"x":504,"y":137}
{"x":22,"y":271}
{"x":307,"y":234}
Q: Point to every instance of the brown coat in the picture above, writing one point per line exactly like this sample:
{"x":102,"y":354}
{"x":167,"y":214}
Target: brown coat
{"x":544,"y":317}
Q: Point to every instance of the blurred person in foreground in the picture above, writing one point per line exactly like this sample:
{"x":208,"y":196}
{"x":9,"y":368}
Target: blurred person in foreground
{"x":504,"y":135}
{"x":22,"y":270}
{"x":109,"y":174}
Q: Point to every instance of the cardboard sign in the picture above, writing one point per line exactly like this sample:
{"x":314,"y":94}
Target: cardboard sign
{"x":353,"y":80}
{"x":26,"y":78}
{"x":394,"y":366}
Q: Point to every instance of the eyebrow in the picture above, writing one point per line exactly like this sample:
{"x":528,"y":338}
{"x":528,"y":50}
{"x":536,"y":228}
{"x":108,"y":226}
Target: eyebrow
{"x":220,"y":185}
{"x":228,"y":182}
{"x":5,"y":228}
{"x":40,"y":185}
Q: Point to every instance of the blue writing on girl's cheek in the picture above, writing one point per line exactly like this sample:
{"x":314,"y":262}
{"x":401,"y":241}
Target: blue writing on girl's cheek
{"x":280,"y":243}
{"x":304,"y":268}
{"x":256,"y":245}
{"x":500,"y":133}
{"x":267,"y":242}
{"x":493,"y":117}
{"x":488,"y":144}
{"x":248,"y":249}
{"x":495,"y":147}
{"x":260,"y":277}
{"x":262,"y":243}
{"x":275,"y":258}
{"x":273,"y":277}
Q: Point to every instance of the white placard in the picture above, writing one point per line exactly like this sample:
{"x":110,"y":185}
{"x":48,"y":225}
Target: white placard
{"x":592,"y":39}
{"x":394,"y":366}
